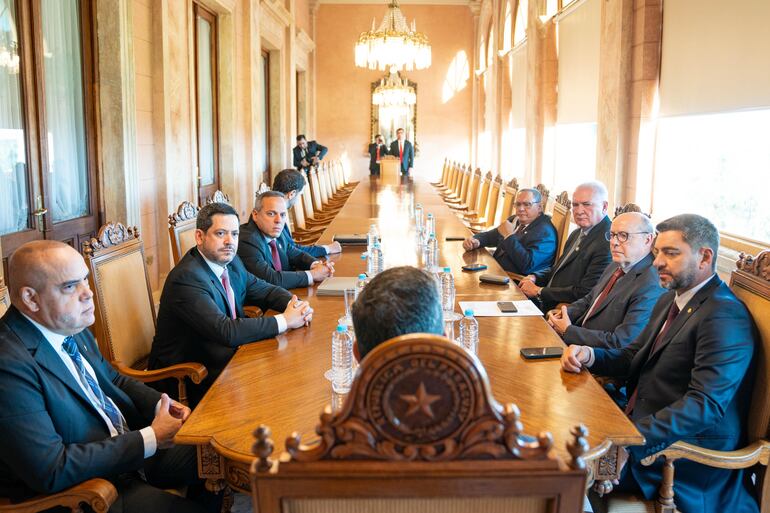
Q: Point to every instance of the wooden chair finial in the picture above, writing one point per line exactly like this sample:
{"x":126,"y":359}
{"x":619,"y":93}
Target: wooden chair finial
{"x":578,"y":446}
{"x":263,"y":448}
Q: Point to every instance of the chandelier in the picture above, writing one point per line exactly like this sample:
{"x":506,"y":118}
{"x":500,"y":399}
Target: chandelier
{"x":393,"y":44}
{"x":394,"y":91}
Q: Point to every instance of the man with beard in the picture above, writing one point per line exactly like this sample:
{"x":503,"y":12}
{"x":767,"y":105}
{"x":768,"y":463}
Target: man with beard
{"x":201,"y":316}
{"x":688,"y":374}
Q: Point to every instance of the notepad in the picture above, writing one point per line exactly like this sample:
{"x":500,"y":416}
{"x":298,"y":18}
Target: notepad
{"x":335,"y":286}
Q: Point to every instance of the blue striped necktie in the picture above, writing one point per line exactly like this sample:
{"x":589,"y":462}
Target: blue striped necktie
{"x":107,"y":405}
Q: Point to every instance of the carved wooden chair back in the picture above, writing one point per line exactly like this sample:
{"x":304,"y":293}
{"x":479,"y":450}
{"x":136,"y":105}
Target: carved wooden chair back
{"x":472,"y":196}
{"x":419,"y":430}
{"x":444,"y":173}
{"x":315,"y":188}
{"x":181,"y":229}
{"x":322,"y":183}
{"x":560,"y":217}
{"x":326,"y":173}
{"x":5,"y":299}
{"x":546,"y":195}
{"x":494,"y":206}
{"x":451,"y":175}
{"x":457,"y":179}
{"x":629,"y":207}
{"x":509,"y":197}
{"x":298,"y":215}
{"x":218,"y":197}
{"x":464,"y":182}
{"x":307,"y":199}
{"x":481,"y":207}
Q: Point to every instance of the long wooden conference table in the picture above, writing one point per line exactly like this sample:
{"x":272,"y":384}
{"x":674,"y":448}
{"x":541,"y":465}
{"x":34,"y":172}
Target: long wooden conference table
{"x":280,"y":382}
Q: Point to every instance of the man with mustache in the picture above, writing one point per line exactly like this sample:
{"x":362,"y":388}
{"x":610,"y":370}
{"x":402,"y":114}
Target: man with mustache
{"x":688,"y":374}
{"x":201,"y":316}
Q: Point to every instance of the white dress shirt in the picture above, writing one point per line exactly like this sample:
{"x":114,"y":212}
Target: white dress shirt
{"x":56,"y":340}
{"x":218,"y":270}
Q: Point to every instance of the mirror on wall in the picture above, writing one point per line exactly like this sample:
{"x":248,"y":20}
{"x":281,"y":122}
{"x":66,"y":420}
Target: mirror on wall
{"x":394,"y":106}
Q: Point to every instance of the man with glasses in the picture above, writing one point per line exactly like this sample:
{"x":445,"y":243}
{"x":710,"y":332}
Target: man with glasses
{"x":525,"y":242}
{"x":619,"y":306}
{"x":586,"y":253}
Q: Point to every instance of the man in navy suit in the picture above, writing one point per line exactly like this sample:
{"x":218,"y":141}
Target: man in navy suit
{"x":586,"y":253}
{"x":619,"y":306}
{"x":403,"y":149}
{"x":65,"y":414}
{"x":688,"y":373}
{"x":264,"y":254}
{"x":201,"y":317}
{"x":526,"y":242}
{"x":307,"y":153}
{"x":291,"y":182}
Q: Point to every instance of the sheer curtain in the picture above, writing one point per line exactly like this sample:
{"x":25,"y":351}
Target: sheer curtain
{"x":14,"y":208}
{"x":67,"y":163}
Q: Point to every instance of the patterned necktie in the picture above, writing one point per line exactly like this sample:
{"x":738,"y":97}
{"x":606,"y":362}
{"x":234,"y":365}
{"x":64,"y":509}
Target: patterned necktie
{"x":604,"y":293}
{"x":276,"y":257}
{"x":672,"y":313}
{"x":108,"y":407}
{"x":229,"y":292}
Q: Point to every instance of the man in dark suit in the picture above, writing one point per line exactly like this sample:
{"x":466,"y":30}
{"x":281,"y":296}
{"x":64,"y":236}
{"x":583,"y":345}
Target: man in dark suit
{"x":525,"y":242}
{"x":586,"y":253}
{"x":688,"y":373}
{"x":65,"y":414}
{"x":307,"y":153}
{"x":291,"y":182}
{"x":263,"y":253}
{"x":377,"y":150}
{"x":403,"y":149}
{"x":619,"y":306}
{"x":201,"y":316}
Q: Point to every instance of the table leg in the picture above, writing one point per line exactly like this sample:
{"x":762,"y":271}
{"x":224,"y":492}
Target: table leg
{"x":605,"y":471}
{"x":211,"y":468}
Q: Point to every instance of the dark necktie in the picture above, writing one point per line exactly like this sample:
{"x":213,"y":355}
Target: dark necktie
{"x":672,"y":313}
{"x":229,"y":292}
{"x":71,"y":348}
{"x":604,"y":293}
{"x":575,"y":247}
{"x":520,"y":229}
{"x":276,"y":257}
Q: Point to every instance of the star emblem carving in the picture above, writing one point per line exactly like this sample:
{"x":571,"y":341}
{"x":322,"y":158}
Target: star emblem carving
{"x":420,"y":401}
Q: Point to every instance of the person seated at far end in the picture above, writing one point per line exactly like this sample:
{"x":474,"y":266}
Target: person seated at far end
{"x":397,"y":301}
{"x":526,"y":241}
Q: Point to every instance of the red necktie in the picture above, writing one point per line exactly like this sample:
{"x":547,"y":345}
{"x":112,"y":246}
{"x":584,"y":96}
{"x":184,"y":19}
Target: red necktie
{"x":229,"y":292}
{"x":604,"y":293}
{"x":276,"y":256}
{"x":672,"y":313}
{"x":400,"y":152}
{"x":378,"y":153}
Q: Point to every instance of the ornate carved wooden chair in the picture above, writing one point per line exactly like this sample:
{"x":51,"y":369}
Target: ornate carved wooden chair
{"x":470,"y":199}
{"x":125,"y":314}
{"x":419,"y":431}
{"x":444,"y":175}
{"x":488,"y":219}
{"x":629,"y":207}
{"x":98,"y":494}
{"x":218,"y":197}
{"x":560,"y":217}
{"x":181,"y":229}
{"x":458,"y":195}
{"x":452,"y":175}
{"x":482,"y":200}
{"x":453,"y":192}
{"x":751,"y":284}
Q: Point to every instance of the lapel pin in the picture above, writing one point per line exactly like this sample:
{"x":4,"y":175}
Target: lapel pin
{"x":689,"y":310}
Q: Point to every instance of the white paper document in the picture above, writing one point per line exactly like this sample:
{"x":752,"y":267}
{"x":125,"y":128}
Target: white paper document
{"x":489,"y":308}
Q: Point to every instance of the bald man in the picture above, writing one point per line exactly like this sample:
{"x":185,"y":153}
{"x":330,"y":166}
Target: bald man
{"x":65,"y":414}
{"x":619,"y":306}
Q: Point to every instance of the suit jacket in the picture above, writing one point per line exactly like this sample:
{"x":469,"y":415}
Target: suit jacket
{"x":696,"y":387}
{"x":194,"y":324}
{"x":258,"y":259}
{"x":312,"y":148}
{"x":51,"y":436}
{"x":288,"y":240}
{"x":524,"y":253}
{"x":576,"y":274}
{"x":374,"y":166}
{"x":408,"y":160}
{"x":624,"y":312}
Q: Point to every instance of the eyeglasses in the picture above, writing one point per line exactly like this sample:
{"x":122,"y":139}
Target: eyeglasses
{"x":621,"y":236}
{"x":525,"y":204}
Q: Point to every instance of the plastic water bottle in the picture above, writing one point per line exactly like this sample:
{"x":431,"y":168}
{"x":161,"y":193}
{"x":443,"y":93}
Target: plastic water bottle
{"x":360,"y":284}
{"x":418,"y":216}
{"x":469,"y":332}
{"x":342,"y":360}
{"x":430,"y":224}
{"x":371,"y":237}
{"x":375,"y":261}
{"x":447,"y":283}
{"x":431,"y":247}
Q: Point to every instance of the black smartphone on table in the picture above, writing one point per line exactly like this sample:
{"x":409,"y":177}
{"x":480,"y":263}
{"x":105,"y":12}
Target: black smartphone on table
{"x":494,"y":279}
{"x":507,"y":307}
{"x":538,"y":353}
{"x":472,"y":268}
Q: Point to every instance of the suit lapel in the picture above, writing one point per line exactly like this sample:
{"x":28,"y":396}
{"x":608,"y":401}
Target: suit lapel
{"x":656,"y":323}
{"x":623,"y":282}
{"x":215,"y":282}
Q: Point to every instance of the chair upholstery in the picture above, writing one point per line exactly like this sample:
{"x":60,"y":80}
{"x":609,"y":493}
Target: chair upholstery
{"x":419,"y":431}
{"x":181,"y":229}
{"x":125,"y":313}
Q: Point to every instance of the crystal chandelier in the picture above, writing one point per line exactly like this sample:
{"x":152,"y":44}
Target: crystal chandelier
{"x":394,"y":91}
{"x":393,"y":44}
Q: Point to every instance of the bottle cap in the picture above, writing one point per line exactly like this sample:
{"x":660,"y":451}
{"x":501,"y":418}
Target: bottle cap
{"x":376,"y":245}
{"x":430,"y":215}
{"x":469,"y":313}
{"x":364,"y":255}
{"x":362,"y":276}
{"x":447,"y":270}
{"x":342,"y":328}
{"x":433,"y":235}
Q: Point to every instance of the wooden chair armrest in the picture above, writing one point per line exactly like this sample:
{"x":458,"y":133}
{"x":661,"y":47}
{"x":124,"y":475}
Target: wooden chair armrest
{"x":516,"y":277}
{"x":98,"y":493}
{"x":195,"y":371}
{"x":758,"y":452}
{"x":253,"y":312}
